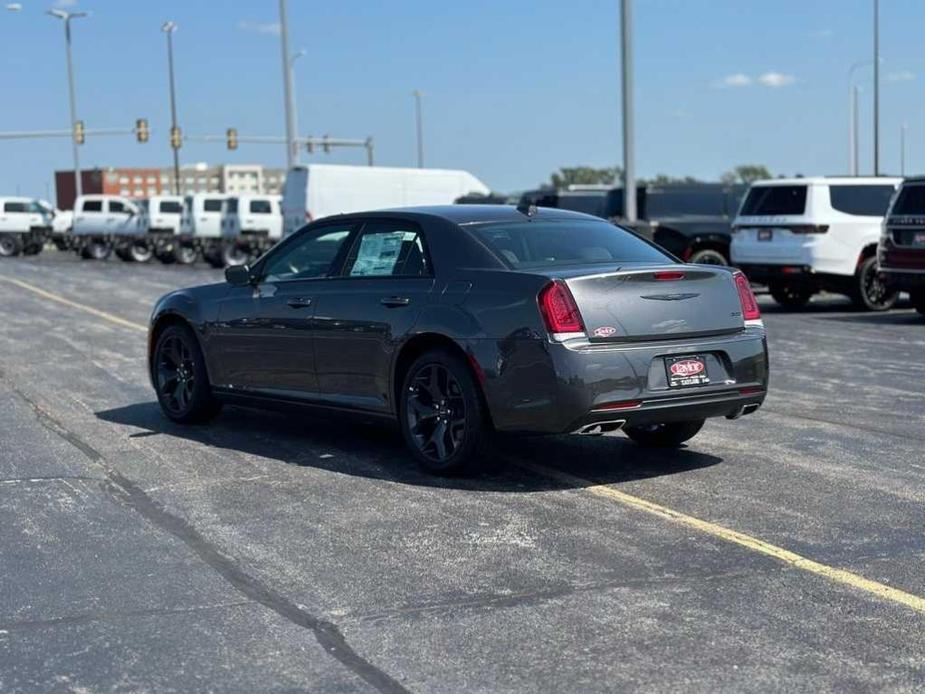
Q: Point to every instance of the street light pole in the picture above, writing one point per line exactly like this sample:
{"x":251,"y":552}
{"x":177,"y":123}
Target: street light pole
{"x":629,"y":164}
{"x":876,"y":87}
{"x":419,"y":125}
{"x":853,"y":132}
{"x":902,"y":150}
{"x":168,"y":28}
{"x":292,"y":146}
{"x":72,"y":101}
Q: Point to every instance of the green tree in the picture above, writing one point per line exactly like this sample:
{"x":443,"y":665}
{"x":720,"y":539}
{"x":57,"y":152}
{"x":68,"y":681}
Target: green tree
{"x":664,"y":180}
{"x":746,"y":173}
{"x":584,"y":175}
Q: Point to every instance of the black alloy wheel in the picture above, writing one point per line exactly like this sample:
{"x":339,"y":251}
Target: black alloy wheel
{"x":872,"y":293}
{"x":442,"y":416}
{"x":183,"y":390}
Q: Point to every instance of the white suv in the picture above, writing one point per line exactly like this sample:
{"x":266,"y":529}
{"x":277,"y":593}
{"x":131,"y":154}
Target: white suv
{"x":803,"y":235}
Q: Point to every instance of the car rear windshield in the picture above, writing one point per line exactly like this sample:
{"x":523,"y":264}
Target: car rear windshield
{"x":866,"y":201}
{"x":911,"y":200}
{"x":774,"y":200}
{"x":579,"y":242}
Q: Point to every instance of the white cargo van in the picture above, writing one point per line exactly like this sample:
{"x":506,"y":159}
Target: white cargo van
{"x":252,"y":224}
{"x":24,"y":226}
{"x":103,"y":223}
{"x":319,"y":190}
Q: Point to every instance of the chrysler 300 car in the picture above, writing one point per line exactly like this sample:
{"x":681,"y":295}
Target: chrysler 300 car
{"x":459,"y":322}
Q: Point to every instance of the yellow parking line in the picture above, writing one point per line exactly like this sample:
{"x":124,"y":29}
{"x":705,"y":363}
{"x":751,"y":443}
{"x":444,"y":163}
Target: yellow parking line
{"x":797,"y":561}
{"x":73,"y":304}
{"x":853,"y":580}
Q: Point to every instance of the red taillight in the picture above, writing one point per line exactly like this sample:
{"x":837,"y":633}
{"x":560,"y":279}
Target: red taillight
{"x":669,"y":275}
{"x":560,"y":312}
{"x":750,"y":310}
{"x":751,"y":391}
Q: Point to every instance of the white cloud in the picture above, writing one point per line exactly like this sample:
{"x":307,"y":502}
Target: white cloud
{"x":736,"y":80}
{"x":260,"y":27}
{"x":776,"y":79}
{"x":901,"y":76}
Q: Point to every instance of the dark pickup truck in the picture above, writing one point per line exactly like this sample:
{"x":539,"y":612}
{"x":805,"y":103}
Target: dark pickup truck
{"x":690,"y":220}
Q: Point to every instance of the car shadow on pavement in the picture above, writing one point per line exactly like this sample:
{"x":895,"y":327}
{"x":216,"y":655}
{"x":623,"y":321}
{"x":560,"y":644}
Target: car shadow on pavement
{"x":352,"y":445}
{"x":896,"y":317}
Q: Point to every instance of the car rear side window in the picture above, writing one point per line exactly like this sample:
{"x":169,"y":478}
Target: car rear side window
{"x":93,"y":206}
{"x":567,"y":242}
{"x":388,"y":249}
{"x":774,"y":200}
{"x":211,"y":205}
{"x":171,"y":207}
{"x":911,"y":200}
{"x":260,"y":207}
{"x":14,"y":207}
{"x":865,"y":201}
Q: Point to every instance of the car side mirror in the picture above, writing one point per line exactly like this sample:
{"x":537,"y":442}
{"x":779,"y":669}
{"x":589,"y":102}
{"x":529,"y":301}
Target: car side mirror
{"x":239,"y":275}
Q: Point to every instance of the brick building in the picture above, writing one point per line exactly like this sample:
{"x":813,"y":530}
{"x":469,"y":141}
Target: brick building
{"x":144,"y":182}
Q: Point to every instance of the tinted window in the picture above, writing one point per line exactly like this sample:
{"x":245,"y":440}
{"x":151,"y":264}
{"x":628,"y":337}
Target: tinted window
{"x":911,"y":200}
{"x":260,"y":207}
{"x":171,"y":207}
{"x":93,"y":206}
{"x":868,"y":201}
{"x":15,"y":207}
{"x":212,"y":205}
{"x":579,"y":242}
{"x":308,"y":256}
{"x":388,"y":249}
{"x":116,"y":206}
{"x":774,"y":200}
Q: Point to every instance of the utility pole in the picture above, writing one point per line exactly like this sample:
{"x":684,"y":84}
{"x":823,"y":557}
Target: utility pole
{"x":876,"y":87}
{"x":72,"y":101}
{"x":853,"y":131}
{"x":168,"y":28}
{"x":419,"y":126}
{"x":629,"y":165}
{"x":292,"y":146}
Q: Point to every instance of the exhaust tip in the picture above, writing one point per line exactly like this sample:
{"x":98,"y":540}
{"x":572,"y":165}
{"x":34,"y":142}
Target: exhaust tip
{"x":599,"y":428}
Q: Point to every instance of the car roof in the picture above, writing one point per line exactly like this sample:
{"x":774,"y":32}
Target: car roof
{"x":829,"y":180}
{"x":474,"y":214}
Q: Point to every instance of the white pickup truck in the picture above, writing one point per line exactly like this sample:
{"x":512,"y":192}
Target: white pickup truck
{"x":24,"y":226}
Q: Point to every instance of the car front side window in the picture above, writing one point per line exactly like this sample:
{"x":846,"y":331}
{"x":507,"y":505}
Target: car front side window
{"x":310,"y":257}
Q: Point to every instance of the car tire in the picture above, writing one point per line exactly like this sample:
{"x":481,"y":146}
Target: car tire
{"x":665,"y":434}
{"x":870,"y":292}
{"x":140,"y":252}
{"x":10,"y":245}
{"x":443,"y":417}
{"x":185,"y":254}
{"x":96,"y":250}
{"x":32,"y":249}
{"x":918,"y":300}
{"x":790,"y":296}
{"x":233,"y":254}
{"x":166,"y":257}
{"x":180,"y":377}
{"x":708,"y":256}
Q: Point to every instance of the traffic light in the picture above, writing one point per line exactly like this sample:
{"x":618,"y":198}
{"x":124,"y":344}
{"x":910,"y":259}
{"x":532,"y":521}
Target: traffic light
{"x":176,"y":138}
{"x":231,"y":138}
{"x":325,"y":145}
{"x":79,"y":132}
{"x":141,"y":130}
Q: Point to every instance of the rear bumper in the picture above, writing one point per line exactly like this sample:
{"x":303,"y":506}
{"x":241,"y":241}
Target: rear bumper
{"x":537,"y":386}
{"x":903,"y":268}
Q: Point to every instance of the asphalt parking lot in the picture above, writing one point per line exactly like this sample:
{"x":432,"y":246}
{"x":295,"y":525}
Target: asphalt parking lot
{"x":783,"y":551}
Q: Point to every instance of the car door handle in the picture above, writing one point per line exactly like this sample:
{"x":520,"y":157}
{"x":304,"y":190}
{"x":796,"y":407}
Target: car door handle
{"x":299,"y":302}
{"x":395,"y":301}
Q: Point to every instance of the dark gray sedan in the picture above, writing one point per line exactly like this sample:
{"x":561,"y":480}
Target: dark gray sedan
{"x":459,"y":322}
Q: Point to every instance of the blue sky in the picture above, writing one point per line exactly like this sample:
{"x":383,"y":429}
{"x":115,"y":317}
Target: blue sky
{"x":512,"y":90}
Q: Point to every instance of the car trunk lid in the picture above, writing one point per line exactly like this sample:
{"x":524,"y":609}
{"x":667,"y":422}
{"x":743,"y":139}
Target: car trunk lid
{"x":667,"y":301}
